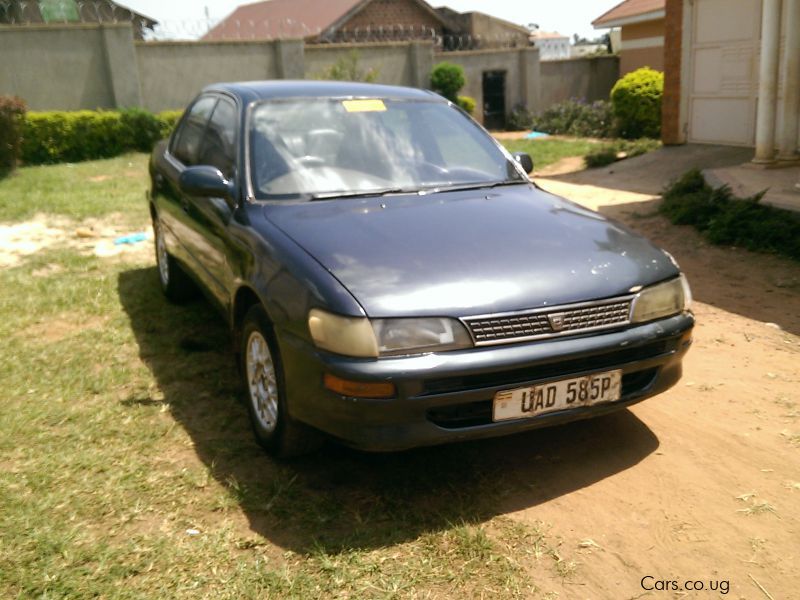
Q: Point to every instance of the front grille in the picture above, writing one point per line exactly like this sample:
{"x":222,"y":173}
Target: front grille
{"x":549,"y":322}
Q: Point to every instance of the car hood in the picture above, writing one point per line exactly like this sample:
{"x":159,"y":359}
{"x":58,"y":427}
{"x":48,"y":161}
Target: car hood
{"x":470,"y":252}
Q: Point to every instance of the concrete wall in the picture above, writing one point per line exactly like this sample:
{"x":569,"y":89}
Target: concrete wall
{"x":81,"y":66}
{"x":172,"y":73}
{"x":391,"y":61}
{"x":584,"y":78}
{"x":69,"y":67}
{"x":522,"y":74}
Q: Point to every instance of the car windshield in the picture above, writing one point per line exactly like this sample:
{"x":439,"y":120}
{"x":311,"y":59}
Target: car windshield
{"x":324,"y":148}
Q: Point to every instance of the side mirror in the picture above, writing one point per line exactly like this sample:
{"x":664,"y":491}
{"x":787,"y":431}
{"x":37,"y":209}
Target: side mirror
{"x":525,"y":161}
{"x":206,"y":181}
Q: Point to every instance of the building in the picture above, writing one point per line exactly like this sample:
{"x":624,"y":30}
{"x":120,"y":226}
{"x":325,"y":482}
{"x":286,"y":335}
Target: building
{"x":20,"y":12}
{"x":733,"y":75}
{"x":368,"y":21}
{"x":642,"y":35}
{"x":551,"y":45}
{"x":587,"y":48}
{"x":482,"y":30}
{"x":331,"y":21}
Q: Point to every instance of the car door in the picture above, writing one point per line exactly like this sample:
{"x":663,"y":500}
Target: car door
{"x":210,"y":217}
{"x":182,"y":152}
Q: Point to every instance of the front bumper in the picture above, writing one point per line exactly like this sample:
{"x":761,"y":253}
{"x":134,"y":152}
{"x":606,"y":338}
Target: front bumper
{"x":447,"y":397}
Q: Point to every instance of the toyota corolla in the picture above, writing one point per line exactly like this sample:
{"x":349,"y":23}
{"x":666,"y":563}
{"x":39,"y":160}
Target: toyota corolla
{"x":391,"y":276}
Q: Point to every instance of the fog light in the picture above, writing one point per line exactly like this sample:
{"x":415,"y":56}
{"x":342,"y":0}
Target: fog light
{"x":359,"y":389}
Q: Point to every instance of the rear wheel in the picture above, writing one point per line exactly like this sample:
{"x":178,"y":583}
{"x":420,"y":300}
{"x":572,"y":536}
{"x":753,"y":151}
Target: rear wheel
{"x":175,"y":283}
{"x":261,"y":369}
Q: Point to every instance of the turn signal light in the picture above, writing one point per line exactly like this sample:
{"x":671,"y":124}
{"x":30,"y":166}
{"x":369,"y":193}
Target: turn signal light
{"x":359,"y":389}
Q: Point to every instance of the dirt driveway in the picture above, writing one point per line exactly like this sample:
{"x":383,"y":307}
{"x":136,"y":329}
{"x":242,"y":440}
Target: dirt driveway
{"x":708,"y":488}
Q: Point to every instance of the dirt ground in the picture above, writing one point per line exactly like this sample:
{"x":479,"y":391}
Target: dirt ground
{"x":707,"y":487}
{"x":701,"y":484}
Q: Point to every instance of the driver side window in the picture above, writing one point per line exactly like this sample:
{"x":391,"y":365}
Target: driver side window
{"x":186,"y":144}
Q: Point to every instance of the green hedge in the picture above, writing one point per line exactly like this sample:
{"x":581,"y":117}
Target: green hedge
{"x":53,"y":137}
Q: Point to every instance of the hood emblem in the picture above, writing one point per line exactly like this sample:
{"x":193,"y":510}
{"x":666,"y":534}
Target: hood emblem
{"x":556,"y":321}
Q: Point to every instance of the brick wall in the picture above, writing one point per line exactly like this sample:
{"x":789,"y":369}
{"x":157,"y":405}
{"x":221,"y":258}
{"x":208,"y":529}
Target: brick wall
{"x":673,"y":52}
{"x":388,"y":13}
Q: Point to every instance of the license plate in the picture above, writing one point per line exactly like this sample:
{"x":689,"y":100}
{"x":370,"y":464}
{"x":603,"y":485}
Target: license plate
{"x":533,"y":401}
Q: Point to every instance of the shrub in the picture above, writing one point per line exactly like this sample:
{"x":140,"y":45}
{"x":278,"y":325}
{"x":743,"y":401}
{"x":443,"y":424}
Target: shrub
{"x":636,"y":99}
{"x":725,"y":219}
{"x":467,"y":103}
{"x":346,"y":69}
{"x":57,"y":136}
{"x":603,"y":156}
{"x":12,"y":115}
{"x":520,"y":118}
{"x":577,"y":118}
{"x":447,"y":79}
{"x":606,"y":154}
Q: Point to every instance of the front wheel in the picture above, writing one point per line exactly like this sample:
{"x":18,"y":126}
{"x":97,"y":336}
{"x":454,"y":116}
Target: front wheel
{"x":261,"y":369}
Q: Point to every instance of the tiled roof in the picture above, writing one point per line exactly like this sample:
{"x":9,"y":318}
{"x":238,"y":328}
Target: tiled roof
{"x":281,"y":19}
{"x":628,"y":9}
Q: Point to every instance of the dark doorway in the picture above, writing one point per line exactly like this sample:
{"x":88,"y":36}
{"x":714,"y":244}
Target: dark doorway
{"x":494,"y":99}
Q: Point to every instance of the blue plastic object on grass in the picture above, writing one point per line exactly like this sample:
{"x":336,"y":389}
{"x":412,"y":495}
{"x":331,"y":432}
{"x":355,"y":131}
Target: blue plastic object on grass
{"x":537,"y":134}
{"x":133,"y":238}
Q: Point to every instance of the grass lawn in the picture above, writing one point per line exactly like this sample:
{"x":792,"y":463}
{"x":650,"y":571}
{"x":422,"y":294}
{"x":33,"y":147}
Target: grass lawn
{"x":550,"y":150}
{"x":129,"y":470}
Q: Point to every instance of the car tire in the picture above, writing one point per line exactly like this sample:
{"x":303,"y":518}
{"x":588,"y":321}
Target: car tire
{"x":265,"y":391}
{"x":175,"y":283}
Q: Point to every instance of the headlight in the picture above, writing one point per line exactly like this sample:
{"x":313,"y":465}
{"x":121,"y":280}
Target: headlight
{"x":662,"y":300}
{"x":403,"y":336}
{"x":360,"y":337}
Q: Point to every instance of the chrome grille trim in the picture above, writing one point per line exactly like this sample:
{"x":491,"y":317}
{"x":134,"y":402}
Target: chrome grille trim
{"x":550,"y":322}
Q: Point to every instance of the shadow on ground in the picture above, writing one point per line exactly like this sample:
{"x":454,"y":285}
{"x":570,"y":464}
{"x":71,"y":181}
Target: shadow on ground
{"x":339,"y":498}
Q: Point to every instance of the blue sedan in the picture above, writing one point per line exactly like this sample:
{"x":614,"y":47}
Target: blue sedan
{"x":392,"y":278}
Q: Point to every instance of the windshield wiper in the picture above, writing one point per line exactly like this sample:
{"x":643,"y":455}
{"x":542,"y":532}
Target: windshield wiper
{"x":478,"y":185}
{"x":364,"y":194}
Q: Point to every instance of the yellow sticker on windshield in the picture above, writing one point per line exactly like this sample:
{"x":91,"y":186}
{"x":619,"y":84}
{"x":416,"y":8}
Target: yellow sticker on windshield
{"x":364,"y":105}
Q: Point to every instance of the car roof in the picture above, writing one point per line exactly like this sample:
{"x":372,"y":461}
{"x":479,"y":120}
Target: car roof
{"x":252,"y":91}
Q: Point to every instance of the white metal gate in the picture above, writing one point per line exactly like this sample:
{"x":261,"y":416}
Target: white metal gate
{"x":723,"y":77}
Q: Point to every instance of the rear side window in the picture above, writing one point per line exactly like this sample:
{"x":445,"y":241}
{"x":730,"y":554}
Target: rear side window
{"x":219,"y":142}
{"x":190,"y":134}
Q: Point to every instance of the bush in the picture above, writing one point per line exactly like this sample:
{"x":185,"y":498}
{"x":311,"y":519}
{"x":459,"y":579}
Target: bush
{"x":606,"y":154}
{"x":52,"y":137}
{"x":519,"y":119}
{"x":447,"y":79}
{"x":725,"y":219}
{"x":346,"y":69}
{"x":467,"y":103}
{"x":636,"y":99}
{"x":603,"y":156}
{"x":577,"y":118}
{"x":12,"y":115}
